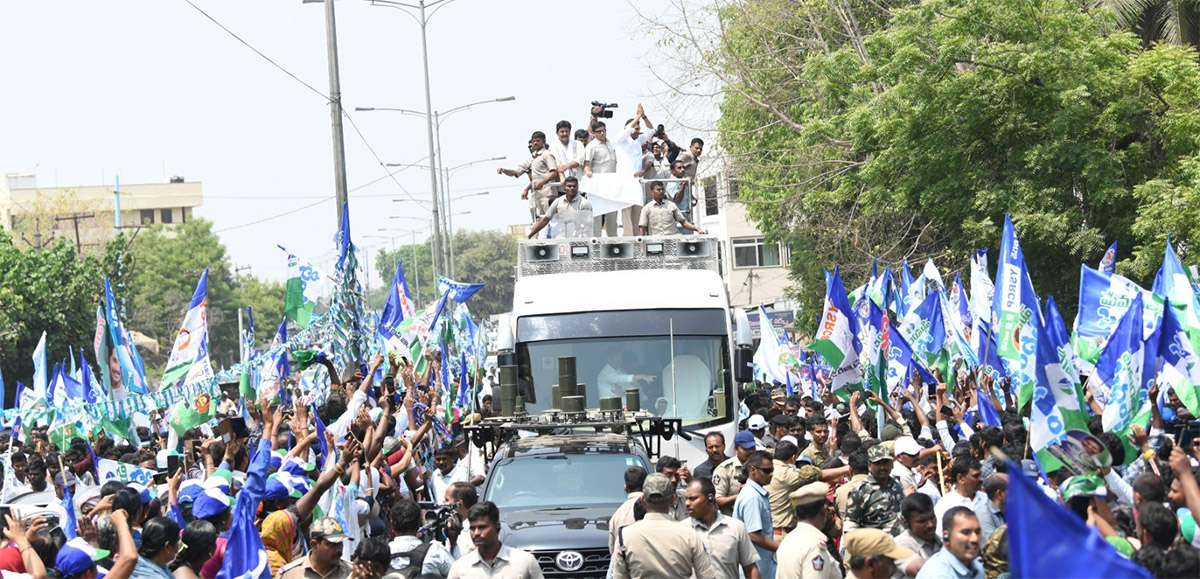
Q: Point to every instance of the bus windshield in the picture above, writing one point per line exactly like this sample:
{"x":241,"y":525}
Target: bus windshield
{"x":681,"y":376}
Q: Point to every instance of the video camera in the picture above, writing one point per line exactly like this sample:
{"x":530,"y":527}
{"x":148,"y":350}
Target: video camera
{"x":603,"y":113}
{"x":440,"y":521}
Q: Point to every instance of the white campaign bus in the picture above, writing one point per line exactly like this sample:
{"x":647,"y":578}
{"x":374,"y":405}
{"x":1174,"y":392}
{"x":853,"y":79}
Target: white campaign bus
{"x":653,"y":307}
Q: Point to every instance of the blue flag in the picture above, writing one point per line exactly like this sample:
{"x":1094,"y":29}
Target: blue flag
{"x":1173,"y":283}
{"x":901,"y":364}
{"x":343,"y":238}
{"x":69,"y":526}
{"x":924,"y":329}
{"x":987,"y":412}
{"x":463,"y":382}
{"x":445,"y":369}
{"x":282,"y":367}
{"x":1018,"y":316}
{"x":2,"y":392}
{"x":1063,"y":378}
{"x":245,"y":557}
{"x":1119,"y":369}
{"x":1045,"y":539}
{"x":399,"y":305}
{"x":322,"y":444}
{"x":1180,"y":365}
{"x":1108,"y":264}
{"x":91,"y":389}
{"x":39,"y":368}
{"x":458,"y":292}
{"x":133,"y":374}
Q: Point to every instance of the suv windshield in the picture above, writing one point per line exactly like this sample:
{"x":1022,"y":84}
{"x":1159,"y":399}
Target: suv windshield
{"x":558,"y":480}
{"x":684,"y":376}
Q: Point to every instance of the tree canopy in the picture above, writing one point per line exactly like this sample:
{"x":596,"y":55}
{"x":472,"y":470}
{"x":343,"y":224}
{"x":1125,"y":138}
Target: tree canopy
{"x":480,"y":257}
{"x":911,"y":130}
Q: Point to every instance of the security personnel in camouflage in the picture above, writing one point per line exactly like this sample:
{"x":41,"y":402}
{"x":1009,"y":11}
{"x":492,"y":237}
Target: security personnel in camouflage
{"x":875,"y":502}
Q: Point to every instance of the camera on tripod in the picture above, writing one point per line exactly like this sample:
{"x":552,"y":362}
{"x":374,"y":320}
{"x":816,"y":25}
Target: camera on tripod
{"x":603,"y":113}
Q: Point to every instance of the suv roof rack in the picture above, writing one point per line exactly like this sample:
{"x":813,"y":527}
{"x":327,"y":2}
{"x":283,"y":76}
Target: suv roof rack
{"x":653,"y":430}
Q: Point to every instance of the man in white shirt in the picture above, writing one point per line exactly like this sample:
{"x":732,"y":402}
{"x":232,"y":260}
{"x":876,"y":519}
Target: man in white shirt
{"x":967,"y":480}
{"x":491,"y":558}
{"x":907,"y":451}
{"x":448,"y":472}
{"x":613,"y":381}
{"x":601,"y":157}
{"x":408,"y":549}
{"x":629,"y":162}
{"x":566,"y":152}
{"x":341,"y":426}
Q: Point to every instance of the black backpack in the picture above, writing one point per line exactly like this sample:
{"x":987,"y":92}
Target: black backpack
{"x":416,"y":559}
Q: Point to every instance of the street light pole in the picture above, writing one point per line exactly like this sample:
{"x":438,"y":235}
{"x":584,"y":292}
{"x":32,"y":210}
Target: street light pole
{"x":433,"y":160}
{"x":433,"y":123}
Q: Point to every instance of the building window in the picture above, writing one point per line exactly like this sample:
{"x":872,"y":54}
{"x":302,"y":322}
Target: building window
{"x":735,"y":188}
{"x":147,"y":217}
{"x":165,"y":216}
{"x":755,"y":252}
{"x":711,"y":205}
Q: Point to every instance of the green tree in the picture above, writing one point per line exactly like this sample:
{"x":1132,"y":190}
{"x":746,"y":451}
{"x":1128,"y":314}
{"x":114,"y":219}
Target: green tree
{"x":51,"y":290}
{"x":916,"y":141}
{"x":265,"y":298}
{"x":167,"y":263}
{"x":487,"y":257}
{"x":1173,"y":21}
{"x":385,"y":267}
{"x":480,"y":256}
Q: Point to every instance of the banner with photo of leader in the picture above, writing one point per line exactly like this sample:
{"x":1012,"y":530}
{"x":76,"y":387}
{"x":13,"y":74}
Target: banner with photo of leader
{"x":1080,"y":452}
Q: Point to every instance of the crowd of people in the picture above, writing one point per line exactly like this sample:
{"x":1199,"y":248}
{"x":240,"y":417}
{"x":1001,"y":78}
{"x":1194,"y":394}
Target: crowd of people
{"x":810,"y":488}
{"x":359,"y":488}
{"x":654,"y":176}
{"x":815,"y":489}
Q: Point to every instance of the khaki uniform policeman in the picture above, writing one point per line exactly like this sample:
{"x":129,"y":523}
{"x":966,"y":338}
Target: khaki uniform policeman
{"x":325,"y":532}
{"x":804,"y":552}
{"x":725,"y":476}
{"x":878,"y":551}
{"x":657,"y":546}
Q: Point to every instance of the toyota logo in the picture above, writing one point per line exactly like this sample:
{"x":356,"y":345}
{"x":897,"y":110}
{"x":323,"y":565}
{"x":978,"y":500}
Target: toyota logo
{"x":569,"y":561}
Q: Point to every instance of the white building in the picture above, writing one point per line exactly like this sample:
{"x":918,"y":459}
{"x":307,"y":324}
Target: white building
{"x":86,"y":215}
{"x":755,"y":271}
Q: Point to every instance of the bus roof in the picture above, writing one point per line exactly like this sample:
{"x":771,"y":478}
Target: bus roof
{"x":618,"y":290}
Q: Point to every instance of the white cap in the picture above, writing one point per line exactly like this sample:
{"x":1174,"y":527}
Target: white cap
{"x":789,"y":438}
{"x":907,"y":445}
{"x":756,"y":422}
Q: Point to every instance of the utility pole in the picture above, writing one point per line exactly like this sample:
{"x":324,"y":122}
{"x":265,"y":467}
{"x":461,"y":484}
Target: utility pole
{"x":750,"y":282}
{"x":76,"y":217}
{"x":335,"y":109}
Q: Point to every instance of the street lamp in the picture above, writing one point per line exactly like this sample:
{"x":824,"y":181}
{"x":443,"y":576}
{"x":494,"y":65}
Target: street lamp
{"x":433,"y":120}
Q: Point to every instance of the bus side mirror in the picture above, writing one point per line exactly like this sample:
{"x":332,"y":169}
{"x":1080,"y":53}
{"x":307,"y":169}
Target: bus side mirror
{"x":743,"y":364}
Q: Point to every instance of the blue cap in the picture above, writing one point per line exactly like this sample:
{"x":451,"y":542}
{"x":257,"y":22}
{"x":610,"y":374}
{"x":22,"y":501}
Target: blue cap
{"x":76,"y":557}
{"x":210,"y":503}
{"x":745,"y":439}
{"x":1168,"y":415}
{"x":189,"y":492}
{"x":276,"y":490}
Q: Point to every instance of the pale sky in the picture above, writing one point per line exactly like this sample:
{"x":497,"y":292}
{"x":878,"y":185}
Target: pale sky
{"x":152,"y":88}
